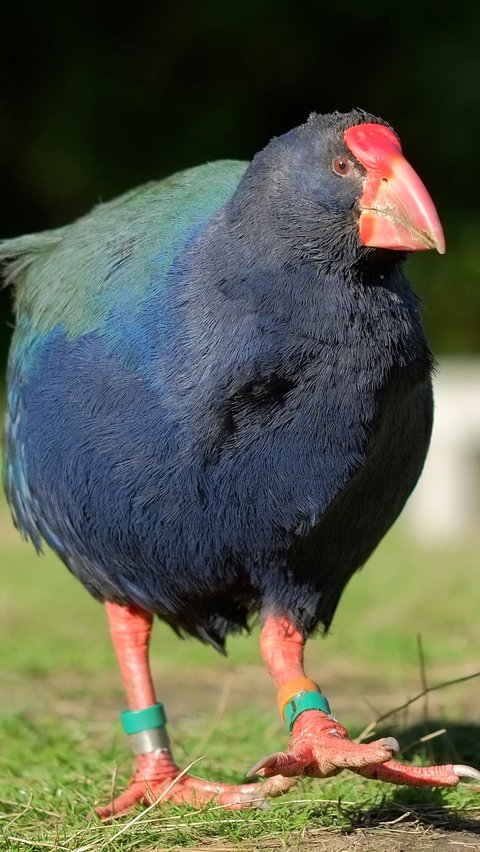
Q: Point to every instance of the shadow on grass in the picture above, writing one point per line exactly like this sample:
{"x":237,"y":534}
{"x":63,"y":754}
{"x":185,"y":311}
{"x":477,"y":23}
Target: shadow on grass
{"x":456,"y":742}
{"x":428,"y":810}
{"x":428,"y":806}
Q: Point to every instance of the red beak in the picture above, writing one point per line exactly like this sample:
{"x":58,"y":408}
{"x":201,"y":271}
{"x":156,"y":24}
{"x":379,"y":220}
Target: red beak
{"x":396,"y":209}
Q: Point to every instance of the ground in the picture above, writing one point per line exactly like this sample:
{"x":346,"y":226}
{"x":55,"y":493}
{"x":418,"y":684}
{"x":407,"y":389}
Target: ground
{"x":61,"y":749}
{"x":380,"y":840}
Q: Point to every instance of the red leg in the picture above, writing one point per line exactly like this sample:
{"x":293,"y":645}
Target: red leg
{"x":130,"y":630}
{"x":319,"y":746}
{"x":155,"y":770}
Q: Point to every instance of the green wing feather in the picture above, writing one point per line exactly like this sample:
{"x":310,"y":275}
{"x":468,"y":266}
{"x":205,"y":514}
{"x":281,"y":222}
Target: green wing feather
{"x":73,"y":276}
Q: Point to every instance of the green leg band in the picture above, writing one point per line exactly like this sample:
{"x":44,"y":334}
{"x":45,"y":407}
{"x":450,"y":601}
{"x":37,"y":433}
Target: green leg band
{"x":304,"y":701}
{"x":136,"y":721}
{"x":146,"y":729}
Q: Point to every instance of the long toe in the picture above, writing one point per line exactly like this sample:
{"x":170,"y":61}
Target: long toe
{"x":419,"y":776}
{"x":138,"y":791}
{"x":186,"y":790}
{"x":341,"y":753}
{"x":197,"y":792}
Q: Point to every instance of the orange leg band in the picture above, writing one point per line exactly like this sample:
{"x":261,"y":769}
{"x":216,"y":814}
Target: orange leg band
{"x":282,"y":646}
{"x":291,"y":688}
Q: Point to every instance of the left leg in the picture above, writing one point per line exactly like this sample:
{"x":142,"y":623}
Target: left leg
{"x":145,"y":724}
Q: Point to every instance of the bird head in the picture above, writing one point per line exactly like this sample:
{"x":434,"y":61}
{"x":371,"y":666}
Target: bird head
{"x":342,"y":180}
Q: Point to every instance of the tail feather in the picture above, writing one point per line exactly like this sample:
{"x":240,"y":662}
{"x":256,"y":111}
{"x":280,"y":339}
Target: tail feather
{"x":17,"y":254}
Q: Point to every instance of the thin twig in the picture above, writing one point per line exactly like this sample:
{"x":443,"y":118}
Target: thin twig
{"x":16,"y":817}
{"x":218,"y":714}
{"x":373,"y":725}
{"x":141,"y":815}
{"x":423,"y":676}
{"x":114,"y":783}
{"x":425,"y":739}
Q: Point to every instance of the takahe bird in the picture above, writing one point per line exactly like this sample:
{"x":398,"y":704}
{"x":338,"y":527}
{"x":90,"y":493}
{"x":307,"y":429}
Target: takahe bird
{"x":219,"y":400}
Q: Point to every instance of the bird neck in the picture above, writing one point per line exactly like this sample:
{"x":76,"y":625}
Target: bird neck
{"x":258,"y":305}
{"x":246,"y":268}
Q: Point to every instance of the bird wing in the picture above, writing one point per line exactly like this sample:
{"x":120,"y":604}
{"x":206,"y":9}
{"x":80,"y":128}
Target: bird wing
{"x":94,"y":276}
{"x":71,"y":277}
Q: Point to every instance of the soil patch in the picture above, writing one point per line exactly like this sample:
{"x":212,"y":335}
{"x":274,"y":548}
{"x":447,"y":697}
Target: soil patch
{"x":399,"y":840}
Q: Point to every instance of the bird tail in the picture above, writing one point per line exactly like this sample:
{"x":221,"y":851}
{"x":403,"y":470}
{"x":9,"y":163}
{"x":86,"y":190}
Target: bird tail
{"x":17,"y":254}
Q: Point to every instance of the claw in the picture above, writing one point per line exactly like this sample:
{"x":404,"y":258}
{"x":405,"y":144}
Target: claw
{"x":282,"y":763}
{"x":264,"y":763}
{"x":391,"y":743}
{"x":466,"y":771}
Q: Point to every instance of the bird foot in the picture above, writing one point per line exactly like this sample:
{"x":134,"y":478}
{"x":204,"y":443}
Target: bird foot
{"x":157,"y":778}
{"x":320,"y":747}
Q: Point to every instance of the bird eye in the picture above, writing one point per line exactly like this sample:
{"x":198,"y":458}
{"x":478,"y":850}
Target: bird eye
{"x":341,"y":166}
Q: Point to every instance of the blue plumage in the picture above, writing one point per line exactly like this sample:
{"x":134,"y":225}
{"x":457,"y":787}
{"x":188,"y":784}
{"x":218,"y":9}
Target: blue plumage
{"x":218,"y":400}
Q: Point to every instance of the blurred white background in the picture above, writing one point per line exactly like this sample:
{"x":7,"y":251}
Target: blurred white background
{"x":446,"y":503}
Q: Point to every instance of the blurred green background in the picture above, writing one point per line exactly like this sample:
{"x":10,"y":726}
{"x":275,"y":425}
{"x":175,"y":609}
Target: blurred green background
{"x":98,"y":97}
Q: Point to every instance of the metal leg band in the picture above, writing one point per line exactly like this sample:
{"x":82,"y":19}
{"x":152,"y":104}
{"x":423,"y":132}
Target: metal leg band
{"x":154,"y":739}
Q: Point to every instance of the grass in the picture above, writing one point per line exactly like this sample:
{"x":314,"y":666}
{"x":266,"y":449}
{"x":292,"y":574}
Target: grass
{"x":61,"y":749}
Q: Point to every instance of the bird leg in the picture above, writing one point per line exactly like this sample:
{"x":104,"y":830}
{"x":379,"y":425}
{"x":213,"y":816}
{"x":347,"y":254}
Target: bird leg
{"x":320,"y":746}
{"x":156,"y":770}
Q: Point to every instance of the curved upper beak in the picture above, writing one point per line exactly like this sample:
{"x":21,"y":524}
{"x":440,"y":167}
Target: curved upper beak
{"x":397,"y":212}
